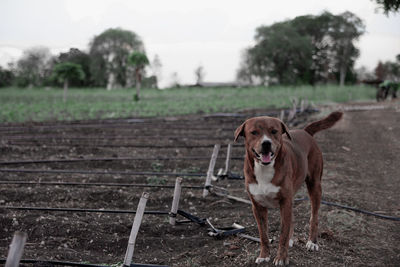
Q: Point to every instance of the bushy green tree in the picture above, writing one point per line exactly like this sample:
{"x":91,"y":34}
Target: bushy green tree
{"x":6,"y":77}
{"x":139,"y":61}
{"x":281,"y":55}
{"x":316,"y":28}
{"x":109,"y":53}
{"x":74,"y":55}
{"x":345,"y":30}
{"x":308,"y":49}
{"x":34,"y":67}
{"x":64,"y":72}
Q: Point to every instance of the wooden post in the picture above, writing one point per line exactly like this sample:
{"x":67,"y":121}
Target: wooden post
{"x":135,"y":229}
{"x":175,"y":201}
{"x":302,"y":106}
{"x":16,"y":249}
{"x":282,"y":115}
{"x":228,"y":158}
{"x":292,"y":113}
{"x":210,"y":171}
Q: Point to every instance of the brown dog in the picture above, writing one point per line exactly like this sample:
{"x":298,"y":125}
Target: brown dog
{"x":275,"y":167}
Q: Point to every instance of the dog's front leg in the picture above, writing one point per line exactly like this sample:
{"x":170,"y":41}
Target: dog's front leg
{"x":261,"y":215}
{"x":282,"y":258}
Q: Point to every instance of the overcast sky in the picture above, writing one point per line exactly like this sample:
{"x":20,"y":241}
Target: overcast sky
{"x":184,"y":33}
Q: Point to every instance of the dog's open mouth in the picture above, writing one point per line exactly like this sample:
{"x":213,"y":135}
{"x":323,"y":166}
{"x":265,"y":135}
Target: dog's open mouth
{"x":264,"y":158}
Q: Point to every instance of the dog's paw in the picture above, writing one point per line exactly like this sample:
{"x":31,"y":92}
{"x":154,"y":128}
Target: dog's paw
{"x":260,"y":260}
{"x":278,"y":261}
{"x":291,"y":242}
{"x":312,"y":246}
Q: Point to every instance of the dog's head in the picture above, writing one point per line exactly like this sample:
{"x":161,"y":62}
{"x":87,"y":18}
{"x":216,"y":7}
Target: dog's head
{"x":263,"y":137}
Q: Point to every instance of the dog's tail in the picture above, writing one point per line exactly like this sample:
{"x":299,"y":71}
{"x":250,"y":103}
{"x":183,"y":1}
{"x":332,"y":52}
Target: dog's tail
{"x":323,"y":124}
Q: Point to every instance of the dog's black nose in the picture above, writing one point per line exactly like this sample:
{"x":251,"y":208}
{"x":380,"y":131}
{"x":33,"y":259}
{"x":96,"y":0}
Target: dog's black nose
{"x":266,"y":147}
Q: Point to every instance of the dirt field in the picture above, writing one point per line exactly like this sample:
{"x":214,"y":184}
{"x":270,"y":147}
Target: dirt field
{"x":362,"y":155}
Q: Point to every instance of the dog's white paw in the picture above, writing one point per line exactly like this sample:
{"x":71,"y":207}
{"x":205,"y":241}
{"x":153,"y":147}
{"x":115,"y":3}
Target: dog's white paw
{"x":260,"y":260}
{"x":312,"y":246}
{"x":291,"y":242}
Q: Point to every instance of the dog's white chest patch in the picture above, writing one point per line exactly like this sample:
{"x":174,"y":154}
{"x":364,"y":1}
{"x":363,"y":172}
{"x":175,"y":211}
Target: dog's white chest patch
{"x":264,"y":191}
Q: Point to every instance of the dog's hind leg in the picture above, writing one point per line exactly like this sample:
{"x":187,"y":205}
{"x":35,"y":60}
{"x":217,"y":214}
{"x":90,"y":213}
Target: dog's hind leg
{"x":291,"y":238}
{"x":314,"y":191}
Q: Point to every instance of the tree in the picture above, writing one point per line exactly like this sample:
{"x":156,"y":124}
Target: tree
{"x":6,"y":77}
{"x":281,"y":54}
{"x":139,"y":61}
{"x":316,"y":28}
{"x":109,"y":53}
{"x":389,"y":70}
{"x":308,"y":49}
{"x":199,"y":74}
{"x":74,"y":55}
{"x":345,"y":29}
{"x":389,"y":5}
{"x":64,"y":72}
{"x":380,"y":71}
{"x":33,"y":67}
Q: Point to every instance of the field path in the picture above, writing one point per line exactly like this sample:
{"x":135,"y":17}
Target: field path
{"x":362,"y":156}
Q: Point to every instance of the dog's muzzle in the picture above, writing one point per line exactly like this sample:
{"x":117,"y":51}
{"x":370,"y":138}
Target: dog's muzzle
{"x":264,"y":158}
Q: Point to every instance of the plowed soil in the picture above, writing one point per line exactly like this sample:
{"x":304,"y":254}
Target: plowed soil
{"x":361,"y":153}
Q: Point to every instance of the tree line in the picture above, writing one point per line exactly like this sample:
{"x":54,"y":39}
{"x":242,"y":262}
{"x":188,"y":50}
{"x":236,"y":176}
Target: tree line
{"x":111,"y":62}
{"x":310,"y":49}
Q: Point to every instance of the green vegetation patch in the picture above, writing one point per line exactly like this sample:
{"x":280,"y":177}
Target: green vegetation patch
{"x":23,"y":105}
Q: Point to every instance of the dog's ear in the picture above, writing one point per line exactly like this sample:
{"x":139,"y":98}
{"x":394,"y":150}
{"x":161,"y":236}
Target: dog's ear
{"x":285,"y":130}
{"x":239,"y":131}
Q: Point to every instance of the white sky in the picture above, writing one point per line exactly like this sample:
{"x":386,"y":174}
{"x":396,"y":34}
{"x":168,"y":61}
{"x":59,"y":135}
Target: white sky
{"x":184,"y":33}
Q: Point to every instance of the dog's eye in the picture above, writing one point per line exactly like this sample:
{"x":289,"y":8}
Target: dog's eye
{"x":254,"y":133}
{"x":273,"y":131}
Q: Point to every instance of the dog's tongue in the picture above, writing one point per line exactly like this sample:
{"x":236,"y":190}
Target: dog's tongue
{"x":266,"y":158}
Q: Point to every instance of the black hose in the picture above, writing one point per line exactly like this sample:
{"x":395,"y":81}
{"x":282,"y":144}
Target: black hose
{"x":61,"y":263}
{"x":392,"y":218}
{"x":107,"y":159}
{"x":67,"y":263}
{"x":150,"y":212}
{"x":104,"y":172}
{"x":98,"y":184}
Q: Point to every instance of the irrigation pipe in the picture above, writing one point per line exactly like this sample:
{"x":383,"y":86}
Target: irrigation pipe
{"x":110,"y":138}
{"x":129,"y":126}
{"x":77,"y":264}
{"x":106,"y":159}
{"x":233,"y":176}
{"x":62,"y":263}
{"x":392,"y":218}
{"x":150,"y":212}
{"x":96,"y":184}
{"x":103,"y":172}
{"x":147,"y":146}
